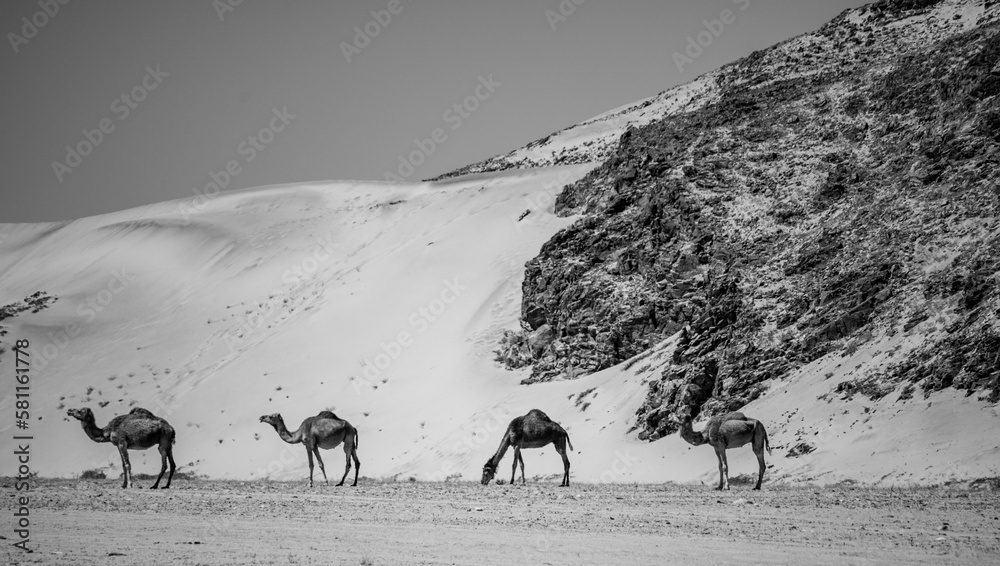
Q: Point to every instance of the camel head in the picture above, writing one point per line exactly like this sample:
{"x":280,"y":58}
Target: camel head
{"x":682,"y":415}
{"x":272,"y":420}
{"x":84,"y":414}
{"x":683,"y":420}
{"x":489,"y":470}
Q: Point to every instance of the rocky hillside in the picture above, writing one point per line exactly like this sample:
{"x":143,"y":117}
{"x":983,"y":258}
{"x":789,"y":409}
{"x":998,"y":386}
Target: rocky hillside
{"x":595,"y":140}
{"x":834,"y":189}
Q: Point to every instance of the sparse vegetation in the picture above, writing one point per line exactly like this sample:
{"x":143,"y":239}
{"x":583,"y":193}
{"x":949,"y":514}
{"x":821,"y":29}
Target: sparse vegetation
{"x":95,"y":474}
{"x":581,"y":396}
{"x":34,"y":303}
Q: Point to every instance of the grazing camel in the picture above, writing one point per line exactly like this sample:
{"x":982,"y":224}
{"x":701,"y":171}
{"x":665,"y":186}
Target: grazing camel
{"x":533,"y":430}
{"x":731,"y":430}
{"x":138,"y":430}
{"x":325,"y":431}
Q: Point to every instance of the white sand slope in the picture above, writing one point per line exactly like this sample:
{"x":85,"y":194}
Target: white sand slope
{"x":383,"y":302}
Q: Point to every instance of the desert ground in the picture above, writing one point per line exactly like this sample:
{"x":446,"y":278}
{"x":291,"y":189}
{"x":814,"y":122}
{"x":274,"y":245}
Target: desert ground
{"x":78,"y":522}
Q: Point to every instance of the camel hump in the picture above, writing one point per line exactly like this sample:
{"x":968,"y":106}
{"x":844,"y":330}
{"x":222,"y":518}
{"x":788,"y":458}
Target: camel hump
{"x":114,"y":424}
{"x":139,"y":411}
{"x":327,"y":415}
{"x":538,"y":415}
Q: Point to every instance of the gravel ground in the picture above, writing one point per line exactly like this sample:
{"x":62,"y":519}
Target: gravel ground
{"x":218,"y":522}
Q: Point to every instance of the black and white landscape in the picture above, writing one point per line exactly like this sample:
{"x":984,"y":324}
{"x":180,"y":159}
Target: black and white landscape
{"x":809,"y":235}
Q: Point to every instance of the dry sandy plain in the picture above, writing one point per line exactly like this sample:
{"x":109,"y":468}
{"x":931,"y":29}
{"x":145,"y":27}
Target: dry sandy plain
{"x":76,"y":522}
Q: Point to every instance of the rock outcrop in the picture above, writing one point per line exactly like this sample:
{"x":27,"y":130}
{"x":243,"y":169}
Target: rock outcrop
{"x":841,"y":186}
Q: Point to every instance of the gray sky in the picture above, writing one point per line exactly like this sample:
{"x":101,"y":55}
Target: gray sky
{"x":217,"y":80}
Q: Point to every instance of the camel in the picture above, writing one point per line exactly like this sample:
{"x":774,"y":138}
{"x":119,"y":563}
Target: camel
{"x":533,"y":430}
{"x":326,"y":431}
{"x":731,"y":430}
{"x":138,"y":430}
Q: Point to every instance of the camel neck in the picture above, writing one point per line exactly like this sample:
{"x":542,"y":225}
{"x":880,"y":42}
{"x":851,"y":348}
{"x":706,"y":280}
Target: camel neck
{"x":93,"y":431}
{"x":501,"y":450}
{"x":690,"y":436}
{"x":291,"y":438}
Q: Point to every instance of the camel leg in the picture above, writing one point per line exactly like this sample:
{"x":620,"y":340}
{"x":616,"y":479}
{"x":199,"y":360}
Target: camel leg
{"x":562,"y":452}
{"x":347,"y":464}
{"x":725,"y":470}
{"x":310,"y":454}
{"x":759,"y":441}
{"x":321,"y":467}
{"x":126,"y":466}
{"x":163,"y":466}
{"x":759,"y":451}
{"x":357,"y":465}
{"x":520,"y":458}
{"x":354,"y":454}
{"x":720,"y":453}
{"x":513,"y":470}
{"x":173,"y":466}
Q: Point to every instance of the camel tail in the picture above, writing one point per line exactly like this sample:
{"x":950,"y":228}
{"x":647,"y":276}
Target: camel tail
{"x":568,"y":442}
{"x":356,"y":439}
{"x":767,"y":443}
